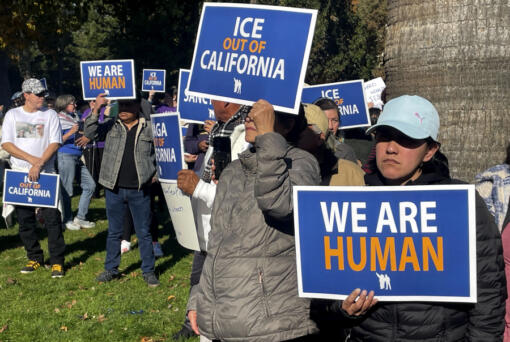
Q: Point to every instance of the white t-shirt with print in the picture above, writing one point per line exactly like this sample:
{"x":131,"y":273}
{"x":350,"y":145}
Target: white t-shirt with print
{"x":32,"y":133}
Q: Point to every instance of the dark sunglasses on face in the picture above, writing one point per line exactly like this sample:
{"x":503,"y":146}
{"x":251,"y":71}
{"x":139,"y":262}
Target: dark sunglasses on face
{"x":387,"y":134}
{"x":41,"y":94}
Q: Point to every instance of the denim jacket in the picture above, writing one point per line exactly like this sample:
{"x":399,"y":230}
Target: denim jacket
{"x":114,"y":133}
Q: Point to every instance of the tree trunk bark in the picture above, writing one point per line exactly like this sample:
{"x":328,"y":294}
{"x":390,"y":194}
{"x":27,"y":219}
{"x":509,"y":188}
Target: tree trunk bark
{"x":456,"y":53}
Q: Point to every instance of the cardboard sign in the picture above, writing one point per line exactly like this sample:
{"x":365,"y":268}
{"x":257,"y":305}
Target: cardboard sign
{"x":179,"y":207}
{"x":350,"y":98}
{"x":373,"y":91}
{"x":407,"y":243}
{"x":168,"y":145}
{"x":154,"y":79}
{"x":244,"y":53}
{"x":116,"y":78}
{"x":18,"y":190}
{"x":192,"y":108}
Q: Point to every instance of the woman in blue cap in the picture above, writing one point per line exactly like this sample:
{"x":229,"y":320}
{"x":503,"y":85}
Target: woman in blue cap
{"x":406,"y":146}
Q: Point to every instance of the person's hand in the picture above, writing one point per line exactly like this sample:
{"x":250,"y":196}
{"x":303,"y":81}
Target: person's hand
{"x":192,"y":316}
{"x":151,"y":95}
{"x":74,"y":129}
{"x":203,"y":145}
{"x":262,"y":114}
{"x":370,"y":105}
{"x":100,"y":101}
{"x":154,"y":180}
{"x":187,"y":181}
{"x":33,"y":173}
{"x":190,"y":158}
{"x":360,"y":306}
{"x":208,"y":125}
{"x":82,"y":141}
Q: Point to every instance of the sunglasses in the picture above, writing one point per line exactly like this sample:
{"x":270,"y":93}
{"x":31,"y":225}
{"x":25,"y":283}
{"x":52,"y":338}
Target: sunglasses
{"x":387,"y":134}
{"x":41,"y":94}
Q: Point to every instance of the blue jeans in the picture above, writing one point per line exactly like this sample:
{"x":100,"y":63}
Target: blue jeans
{"x":139,"y":203}
{"x":68,"y":164}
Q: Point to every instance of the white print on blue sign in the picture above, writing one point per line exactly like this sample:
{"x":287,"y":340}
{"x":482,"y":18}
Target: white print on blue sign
{"x":194,"y":109}
{"x":412,"y":243}
{"x":19,"y":190}
{"x":349,"y":97}
{"x":113,"y":77}
{"x":244,"y":53}
{"x":154,"y":79}
{"x":168,"y":148}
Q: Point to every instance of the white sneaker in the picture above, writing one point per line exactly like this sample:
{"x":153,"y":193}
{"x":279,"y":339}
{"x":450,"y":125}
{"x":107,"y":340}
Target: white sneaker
{"x":125,"y":246}
{"x":83,"y":223}
{"x":72,"y":226}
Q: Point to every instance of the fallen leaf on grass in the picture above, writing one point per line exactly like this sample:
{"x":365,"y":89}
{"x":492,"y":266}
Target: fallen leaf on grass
{"x":98,"y":259}
{"x":172,"y":277}
{"x":57,"y":310}
{"x":73,"y":302}
{"x":101,"y":318}
{"x":146,"y":339}
{"x":134,"y":274}
{"x":91,"y":234}
{"x":64,"y":328}
{"x":170,"y":297}
{"x":4,"y":328}
{"x":84,"y":317}
{"x":11,"y":281}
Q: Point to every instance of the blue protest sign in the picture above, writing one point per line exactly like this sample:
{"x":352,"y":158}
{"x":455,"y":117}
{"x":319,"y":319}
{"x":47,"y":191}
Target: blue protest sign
{"x":168,"y":145}
{"x":18,"y":190}
{"x":192,"y":108}
{"x":44,"y":83}
{"x":116,"y":78}
{"x":350,"y":98}
{"x":244,"y":53}
{"x":410,"y":243}
{"x":154,"y":79}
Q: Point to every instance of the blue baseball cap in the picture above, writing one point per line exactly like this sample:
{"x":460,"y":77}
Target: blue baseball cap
{"x":412,"y":115}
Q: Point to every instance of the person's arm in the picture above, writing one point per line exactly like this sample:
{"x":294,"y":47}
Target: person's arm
{"x":70,"y":132}
{"x":92,"y":129}
{"x":275,"y":174}
{"x":486,"y":318}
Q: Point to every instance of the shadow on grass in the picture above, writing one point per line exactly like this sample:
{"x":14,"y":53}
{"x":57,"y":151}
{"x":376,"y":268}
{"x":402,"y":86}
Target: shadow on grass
{"x":90,"y":246}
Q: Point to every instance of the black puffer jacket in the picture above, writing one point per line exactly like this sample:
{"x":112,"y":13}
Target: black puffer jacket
{"x":417,"y":321}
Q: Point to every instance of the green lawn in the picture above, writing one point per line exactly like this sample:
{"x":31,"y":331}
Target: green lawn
{"x":35,"y":307}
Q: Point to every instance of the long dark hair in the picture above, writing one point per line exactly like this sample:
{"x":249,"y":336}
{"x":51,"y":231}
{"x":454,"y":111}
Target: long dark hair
{"x":286,"y":120}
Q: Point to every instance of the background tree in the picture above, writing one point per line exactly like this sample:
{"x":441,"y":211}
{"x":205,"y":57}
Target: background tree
{"x":456,"y":54}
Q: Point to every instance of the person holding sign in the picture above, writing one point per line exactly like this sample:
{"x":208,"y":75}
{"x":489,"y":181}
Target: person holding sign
{"x":406,"y":144}
{"x":32,"y":136}
{"x":248,"y":288}
{"x":127,"y":170}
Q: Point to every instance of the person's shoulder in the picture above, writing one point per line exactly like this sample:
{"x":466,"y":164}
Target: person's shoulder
{"x":48,"y":112}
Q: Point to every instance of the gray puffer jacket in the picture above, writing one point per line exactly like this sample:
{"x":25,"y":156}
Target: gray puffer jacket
{"x":248,"y":288}
{"x":115,"y":134}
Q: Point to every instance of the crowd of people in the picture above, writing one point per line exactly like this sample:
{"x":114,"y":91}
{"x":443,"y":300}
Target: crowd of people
{"x":242,"y":167}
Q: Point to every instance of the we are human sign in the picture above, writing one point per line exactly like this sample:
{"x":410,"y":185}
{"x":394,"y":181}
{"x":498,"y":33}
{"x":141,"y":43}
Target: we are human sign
{"x":412,"y":243}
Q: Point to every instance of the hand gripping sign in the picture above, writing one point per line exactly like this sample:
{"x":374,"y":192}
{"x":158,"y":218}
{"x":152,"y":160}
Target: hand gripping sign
{"x":154,"y":79}
{"x":411,"y":243}
{"x":192,"y":108}
{"x":18,"y":190}
{"x":167,"y":145}
{"x":116,"y":78}
{"x":244,"y":53}
{"x":349,"y":97}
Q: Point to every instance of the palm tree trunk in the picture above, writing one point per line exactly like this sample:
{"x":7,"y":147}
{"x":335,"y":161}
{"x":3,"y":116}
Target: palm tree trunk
{"x":456,"y":53}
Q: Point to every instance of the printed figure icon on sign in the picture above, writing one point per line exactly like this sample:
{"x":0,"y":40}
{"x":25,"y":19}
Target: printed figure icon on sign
{"x":384,"y":281}
{"x":237,"y":86}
